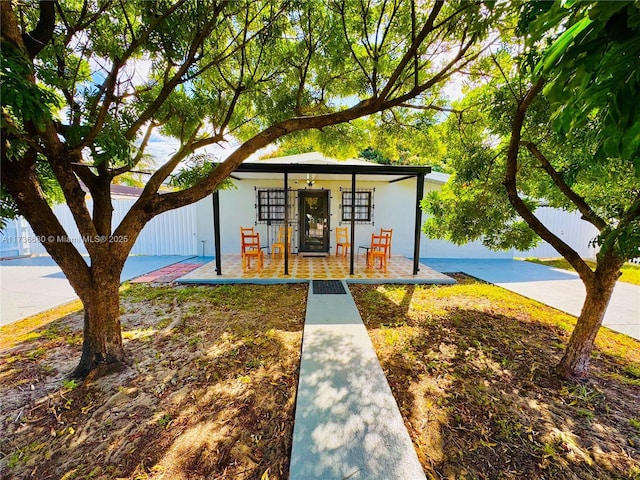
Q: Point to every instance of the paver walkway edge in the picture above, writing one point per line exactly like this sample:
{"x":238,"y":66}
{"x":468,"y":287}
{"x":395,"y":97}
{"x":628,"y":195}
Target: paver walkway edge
{"x":347,"y":423}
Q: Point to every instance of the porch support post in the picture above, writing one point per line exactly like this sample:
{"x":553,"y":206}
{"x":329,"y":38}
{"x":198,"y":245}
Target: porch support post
{"x":216,"y":231}
{"x":286,"y":223}
{"x":353,"y":221}
{"x":416,"y":241}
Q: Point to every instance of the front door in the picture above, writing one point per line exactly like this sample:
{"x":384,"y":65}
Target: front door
{"x":314,"y":221}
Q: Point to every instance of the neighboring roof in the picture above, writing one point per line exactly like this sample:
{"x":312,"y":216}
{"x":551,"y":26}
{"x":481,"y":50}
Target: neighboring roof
{"x":298,"y":166}
{"x":125,"y":191}
{"x":438,"y":177}
{"x":118,"y":190}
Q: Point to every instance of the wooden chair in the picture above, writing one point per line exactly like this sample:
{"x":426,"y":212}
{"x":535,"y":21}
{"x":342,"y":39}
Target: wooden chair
{"x":342,"y":240}
{"x":245,"y":231}
{"x":279,"y":243}
{"x":251,"y":249}
{"x":378,"y":250}
{"x":389,"y":232}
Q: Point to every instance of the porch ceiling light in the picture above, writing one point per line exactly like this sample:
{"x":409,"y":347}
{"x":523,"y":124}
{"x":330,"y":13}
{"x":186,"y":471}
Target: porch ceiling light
{"x":311,"y":179}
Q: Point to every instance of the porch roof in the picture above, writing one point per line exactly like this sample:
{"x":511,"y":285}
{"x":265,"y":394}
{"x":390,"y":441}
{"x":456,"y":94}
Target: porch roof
{"x":313,"y":163}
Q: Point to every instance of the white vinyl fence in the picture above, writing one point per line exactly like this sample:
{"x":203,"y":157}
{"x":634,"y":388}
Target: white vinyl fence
{"x":171,"y":233}
{"x":574,"y":231}
{"x":14,"y":240}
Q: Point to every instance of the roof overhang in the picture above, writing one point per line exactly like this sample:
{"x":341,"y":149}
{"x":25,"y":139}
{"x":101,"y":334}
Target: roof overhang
{"x":382,"y":173}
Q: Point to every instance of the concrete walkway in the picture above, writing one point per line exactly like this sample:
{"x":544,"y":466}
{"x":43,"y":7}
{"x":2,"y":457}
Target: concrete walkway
{"x":32,"y":285}
{"x":555,"y":287}
{"x":347,"y":422}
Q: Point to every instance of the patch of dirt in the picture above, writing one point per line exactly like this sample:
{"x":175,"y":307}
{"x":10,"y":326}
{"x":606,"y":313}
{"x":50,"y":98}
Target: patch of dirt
{"x":471,"y":367}
{"x":210,"y":393}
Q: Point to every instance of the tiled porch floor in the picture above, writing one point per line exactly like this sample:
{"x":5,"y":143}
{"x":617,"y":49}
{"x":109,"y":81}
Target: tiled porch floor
{"x":302,"y":268}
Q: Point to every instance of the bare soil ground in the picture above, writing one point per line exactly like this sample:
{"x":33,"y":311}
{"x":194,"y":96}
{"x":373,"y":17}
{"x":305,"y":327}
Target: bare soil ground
{"x":471,"y":367}
{"x":212,"y":387}
{"x":210,"y":394}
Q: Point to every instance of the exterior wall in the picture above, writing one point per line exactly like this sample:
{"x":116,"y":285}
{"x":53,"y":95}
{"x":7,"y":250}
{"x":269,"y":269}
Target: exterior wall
{"x":394,"y":207}
{"x":237,"y":208}
{"x":204,"y":226}
{"x":430,"y":248}
{"x":172,"y":233}
{"x":13,"y":239}
{"x":574,"y":231}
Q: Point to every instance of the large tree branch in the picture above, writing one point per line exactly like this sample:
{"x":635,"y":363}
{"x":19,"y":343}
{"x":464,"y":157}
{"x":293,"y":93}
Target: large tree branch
{"x":36,"y":40}
{"x":177,"y":78}
{"x":139,"y":154}
{"x":412,"y":51}
{"x":510,"y":183}
{"x":632,"y":214}
{"x":84,"y":173}
{"x":587,"y":212}
{"x":21,"y":180}
{"x":110,"y":83}
{"x":74,"y":194}
{"x":432,"y":107}
{"x":160,"y":175}
{"x":150,"y":204}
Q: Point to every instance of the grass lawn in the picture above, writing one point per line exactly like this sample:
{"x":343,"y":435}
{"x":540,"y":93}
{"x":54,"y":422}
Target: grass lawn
{"x":630,"y":272}
{"x":211,"y":391}
{"x":470,"y":366}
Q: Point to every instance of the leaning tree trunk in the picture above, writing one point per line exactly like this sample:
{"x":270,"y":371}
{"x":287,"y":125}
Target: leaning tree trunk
{"x":575,"y":362}
{"x":102,"y":344}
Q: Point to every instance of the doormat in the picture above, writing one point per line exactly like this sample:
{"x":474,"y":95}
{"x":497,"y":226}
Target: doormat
{"x":328,"y":287}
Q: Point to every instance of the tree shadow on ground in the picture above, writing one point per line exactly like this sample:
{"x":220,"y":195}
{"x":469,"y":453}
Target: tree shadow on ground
{"x":475,"y":383}
{"x":211,"y":393}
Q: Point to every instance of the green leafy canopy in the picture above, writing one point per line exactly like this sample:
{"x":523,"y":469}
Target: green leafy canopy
{"x":592,"y":70}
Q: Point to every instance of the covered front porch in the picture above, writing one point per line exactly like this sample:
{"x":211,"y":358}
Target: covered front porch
{"x":303,"y":268}
{"x":314,"y":197}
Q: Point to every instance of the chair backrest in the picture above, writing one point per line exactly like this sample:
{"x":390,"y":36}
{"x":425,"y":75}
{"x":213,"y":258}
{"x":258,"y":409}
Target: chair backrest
{"x":342,"y":235}
{"x":379,"y":243}
{"x":244,"y":231}
{"x":281,"y":234}
{"x":389,"y":233}
{"x":250,"y":241}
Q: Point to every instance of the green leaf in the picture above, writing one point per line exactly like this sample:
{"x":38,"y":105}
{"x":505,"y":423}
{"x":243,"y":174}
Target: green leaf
{"x":560,"y":46}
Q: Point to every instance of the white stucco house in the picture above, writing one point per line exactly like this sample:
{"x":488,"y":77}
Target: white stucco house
{"x":320,"y":192}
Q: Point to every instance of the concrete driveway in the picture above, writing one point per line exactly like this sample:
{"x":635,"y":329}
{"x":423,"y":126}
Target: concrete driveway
{"x":557,"y":288}
{"x":31,"y":285}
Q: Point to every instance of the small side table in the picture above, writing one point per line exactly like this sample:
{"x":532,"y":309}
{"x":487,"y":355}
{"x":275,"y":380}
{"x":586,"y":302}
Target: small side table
{"x":366,"y":248}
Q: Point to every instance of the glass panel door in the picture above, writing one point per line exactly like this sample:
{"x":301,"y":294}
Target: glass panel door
{"x":314,"y":221}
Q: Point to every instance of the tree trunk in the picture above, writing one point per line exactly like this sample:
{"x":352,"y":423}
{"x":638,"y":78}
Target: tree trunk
{"x":102,"y":343}
{"x":575,"y":362}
